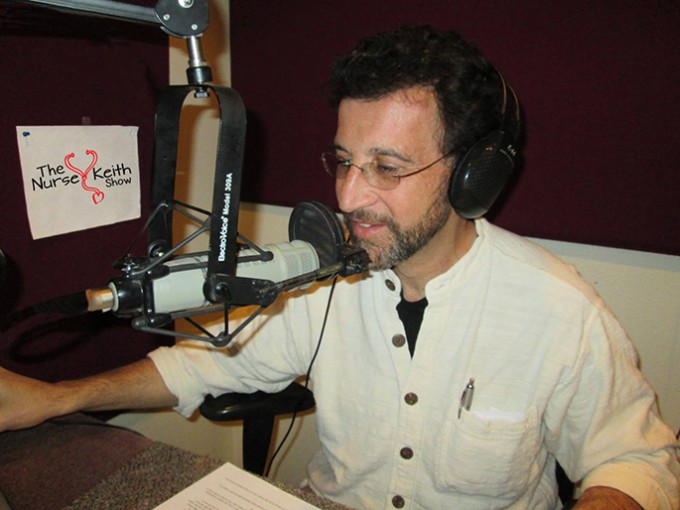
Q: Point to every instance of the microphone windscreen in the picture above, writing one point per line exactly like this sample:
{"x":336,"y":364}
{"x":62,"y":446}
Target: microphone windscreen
{"x":318,"y":225}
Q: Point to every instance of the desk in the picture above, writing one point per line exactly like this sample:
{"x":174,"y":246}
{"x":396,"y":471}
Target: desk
{"x":80,"y":463}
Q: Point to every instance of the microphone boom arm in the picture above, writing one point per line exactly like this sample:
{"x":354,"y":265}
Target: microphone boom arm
{"x":183,"y":19}
{"x":178,"y":18}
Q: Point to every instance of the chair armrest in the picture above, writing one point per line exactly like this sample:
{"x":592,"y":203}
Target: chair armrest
{"x":240,"y":406}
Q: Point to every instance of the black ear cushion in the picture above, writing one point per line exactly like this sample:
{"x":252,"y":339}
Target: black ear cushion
{"x":479,"y":176}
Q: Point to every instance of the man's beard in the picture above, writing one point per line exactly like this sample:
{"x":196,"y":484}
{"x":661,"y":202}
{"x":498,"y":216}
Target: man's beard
{"x":403,"y":242}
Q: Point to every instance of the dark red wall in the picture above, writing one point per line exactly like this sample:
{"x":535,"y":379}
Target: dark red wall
{"x":57,"y":69}
{"x":598,"y":82}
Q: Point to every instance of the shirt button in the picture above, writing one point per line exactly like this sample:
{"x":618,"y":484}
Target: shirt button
{"x":398,"y":502}
{"x":406,"y":453}
{"x":411,"y":398}
{"x":398,"y":340}
{"x":390,"y":284}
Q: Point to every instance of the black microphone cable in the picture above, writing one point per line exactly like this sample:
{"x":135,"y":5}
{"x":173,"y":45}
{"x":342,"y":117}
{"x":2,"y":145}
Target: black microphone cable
{"x":309,"y":371}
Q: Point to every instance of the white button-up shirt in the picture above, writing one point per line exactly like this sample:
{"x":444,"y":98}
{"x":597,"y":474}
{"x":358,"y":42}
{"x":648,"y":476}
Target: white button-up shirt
{"x":554,"y":374}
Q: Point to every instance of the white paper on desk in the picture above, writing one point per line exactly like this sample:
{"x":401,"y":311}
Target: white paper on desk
{"x":230,"y":487}
{"x":79,"y":177}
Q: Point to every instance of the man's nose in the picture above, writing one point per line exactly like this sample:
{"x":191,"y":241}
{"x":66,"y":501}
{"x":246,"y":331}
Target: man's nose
{"x":353,"y":192}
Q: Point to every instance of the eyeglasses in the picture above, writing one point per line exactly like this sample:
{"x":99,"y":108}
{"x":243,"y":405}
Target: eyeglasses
{"x":378,"y":174}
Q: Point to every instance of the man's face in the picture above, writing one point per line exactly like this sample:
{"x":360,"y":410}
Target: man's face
{"x":402,"y":129}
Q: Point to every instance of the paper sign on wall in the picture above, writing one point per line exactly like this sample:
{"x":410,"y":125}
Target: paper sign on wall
{"x":79,"y":177}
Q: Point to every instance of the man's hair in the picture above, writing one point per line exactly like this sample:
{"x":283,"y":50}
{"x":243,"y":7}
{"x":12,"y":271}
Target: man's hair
{"x":467,"y":87}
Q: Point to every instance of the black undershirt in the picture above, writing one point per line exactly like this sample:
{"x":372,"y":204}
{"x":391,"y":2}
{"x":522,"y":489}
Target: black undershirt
{"x":411,"y":315}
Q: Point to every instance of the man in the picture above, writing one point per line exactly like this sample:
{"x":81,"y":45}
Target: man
{"x":518,"y":363}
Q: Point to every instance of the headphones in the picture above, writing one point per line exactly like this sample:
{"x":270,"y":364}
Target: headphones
{"x":481,"y":173}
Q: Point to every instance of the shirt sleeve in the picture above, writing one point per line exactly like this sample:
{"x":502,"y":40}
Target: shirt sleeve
{"x":607,"y":430}
{"x":267,"y":355}
{"x":189,"y":392}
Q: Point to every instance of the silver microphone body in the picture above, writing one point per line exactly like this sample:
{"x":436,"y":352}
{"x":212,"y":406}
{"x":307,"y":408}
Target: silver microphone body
{"x":182,"y":287}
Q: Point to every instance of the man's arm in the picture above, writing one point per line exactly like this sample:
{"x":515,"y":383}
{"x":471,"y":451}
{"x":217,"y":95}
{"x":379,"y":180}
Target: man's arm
{"x":25,"y":402}
{"x":605,"y":498}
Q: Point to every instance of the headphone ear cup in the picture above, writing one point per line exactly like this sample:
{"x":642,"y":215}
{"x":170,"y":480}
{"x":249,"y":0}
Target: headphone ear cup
{"x":480,"y":175}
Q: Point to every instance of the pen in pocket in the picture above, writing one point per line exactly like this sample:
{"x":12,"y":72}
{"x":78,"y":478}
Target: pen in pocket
{"x":466,"y":397}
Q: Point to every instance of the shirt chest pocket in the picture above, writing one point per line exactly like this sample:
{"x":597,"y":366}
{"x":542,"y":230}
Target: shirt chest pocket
{"x":493,"y":456}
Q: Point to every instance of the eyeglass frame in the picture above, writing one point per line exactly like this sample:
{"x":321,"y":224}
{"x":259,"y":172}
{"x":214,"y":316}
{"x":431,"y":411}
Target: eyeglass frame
{"x":373,"y":171}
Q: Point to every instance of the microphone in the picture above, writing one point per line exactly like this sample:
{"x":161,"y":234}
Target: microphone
{"x":180,"y":286}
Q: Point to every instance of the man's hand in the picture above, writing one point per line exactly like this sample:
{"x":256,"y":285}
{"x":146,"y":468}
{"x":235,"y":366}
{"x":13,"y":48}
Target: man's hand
{"x":605,"y":498}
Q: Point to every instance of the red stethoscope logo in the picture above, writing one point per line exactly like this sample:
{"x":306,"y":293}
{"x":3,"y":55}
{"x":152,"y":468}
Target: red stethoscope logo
{"x":97,"y":194}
